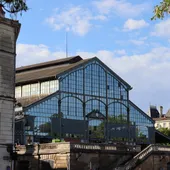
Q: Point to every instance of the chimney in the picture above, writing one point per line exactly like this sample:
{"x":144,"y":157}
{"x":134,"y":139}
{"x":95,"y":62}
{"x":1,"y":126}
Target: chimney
{"x":2,"y":13}
{"x":160,"y":111}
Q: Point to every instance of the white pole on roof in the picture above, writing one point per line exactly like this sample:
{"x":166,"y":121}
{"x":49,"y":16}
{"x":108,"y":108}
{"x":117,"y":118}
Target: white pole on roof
{"x":66,"y":42}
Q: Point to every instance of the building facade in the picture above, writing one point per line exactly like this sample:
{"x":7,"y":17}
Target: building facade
{"x":9,"y":31}
{"x":76,"y":99}
{"x":163,"y":122}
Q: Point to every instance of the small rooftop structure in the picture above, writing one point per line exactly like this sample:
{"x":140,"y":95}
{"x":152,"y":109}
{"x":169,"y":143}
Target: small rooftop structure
{"x":153,"y":112}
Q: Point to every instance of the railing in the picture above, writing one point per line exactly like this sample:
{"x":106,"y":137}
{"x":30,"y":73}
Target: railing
{"x":105,"y":147}
{"x":73,"y":147}
{"x":143,"y":155}
{"x":93,"y":147}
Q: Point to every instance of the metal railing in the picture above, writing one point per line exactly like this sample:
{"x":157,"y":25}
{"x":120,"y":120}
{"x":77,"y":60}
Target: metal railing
{"x":143,"y":155}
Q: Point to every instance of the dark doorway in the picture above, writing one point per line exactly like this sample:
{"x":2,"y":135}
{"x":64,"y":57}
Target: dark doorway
{"x":96,"y":130}
{"x":96,"y":126}
{"x":168,"y":166}
{"x":23,"y":165}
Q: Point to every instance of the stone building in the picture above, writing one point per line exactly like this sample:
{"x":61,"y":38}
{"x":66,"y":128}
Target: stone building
{"x":9,"y":31}
{"x":161,"y":120}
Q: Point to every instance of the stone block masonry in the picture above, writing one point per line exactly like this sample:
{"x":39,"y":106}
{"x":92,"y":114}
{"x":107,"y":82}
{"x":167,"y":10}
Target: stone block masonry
{"x":155,"y":162}
{"x":67,"y":156}
{"x":9,"y":31}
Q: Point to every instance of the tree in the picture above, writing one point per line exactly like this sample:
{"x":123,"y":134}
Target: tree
{"x":161,"y":9}
{"x":98,"y":131}
{"x":45,"y":128}
{"x":165,"y":131}
{"x":14,"y":6}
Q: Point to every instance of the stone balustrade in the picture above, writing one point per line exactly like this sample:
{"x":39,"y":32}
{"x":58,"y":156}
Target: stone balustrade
{"x":143,"y":155}
{"x":66,"y":147}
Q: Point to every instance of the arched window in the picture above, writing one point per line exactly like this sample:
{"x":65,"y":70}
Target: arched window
{"x":117,"y":113}
{"x":72,"y":108}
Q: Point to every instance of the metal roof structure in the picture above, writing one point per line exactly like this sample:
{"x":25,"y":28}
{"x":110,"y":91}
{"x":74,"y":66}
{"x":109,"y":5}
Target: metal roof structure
{"x":45,"y":71}
{"x":52,"y":69}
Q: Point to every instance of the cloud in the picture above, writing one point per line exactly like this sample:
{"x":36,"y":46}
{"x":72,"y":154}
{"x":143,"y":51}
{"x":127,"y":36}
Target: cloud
{"x":121,"y":7}
{"x":132,"y":24}
{"x":76,"y":19}
{"x":146,"y":73}
{"x":120,"y":52}
{"x":162,"y":29}
{"x":30,"y":54}
{"x":137,"y":42}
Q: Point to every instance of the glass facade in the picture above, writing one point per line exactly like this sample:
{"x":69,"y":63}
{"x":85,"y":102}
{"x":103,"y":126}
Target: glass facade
{"x":92,"y":103}
{"x":144,"y":124}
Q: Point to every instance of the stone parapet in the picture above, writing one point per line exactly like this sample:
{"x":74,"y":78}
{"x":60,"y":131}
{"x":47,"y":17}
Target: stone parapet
{"x":67,"y":147}
{"x":40,"y":149}
{"x":66,"y":155}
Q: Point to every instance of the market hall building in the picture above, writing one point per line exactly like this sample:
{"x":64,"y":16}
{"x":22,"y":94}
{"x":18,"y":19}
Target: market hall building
{"x":77,"y":99}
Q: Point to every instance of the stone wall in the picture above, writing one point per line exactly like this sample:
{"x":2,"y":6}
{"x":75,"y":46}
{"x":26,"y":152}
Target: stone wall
{"x":155,"y":162}
{"x":73,"y":161}
{"x":61,"y":156}
{"x":8,"y":34}
{"x":44,"y":156}
{"x":67,"y":156}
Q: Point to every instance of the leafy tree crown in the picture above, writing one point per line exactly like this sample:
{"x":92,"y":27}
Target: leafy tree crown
{"x":161,"y":9}
{"x":14,"y":6}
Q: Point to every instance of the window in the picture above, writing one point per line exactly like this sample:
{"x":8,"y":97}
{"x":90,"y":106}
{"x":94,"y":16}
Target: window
{"x":26,"y":90}
{"x":35,"y":89}
{"x":45,"y":87}
{"x":164,"y":125}
{"x":18,"y":92}
{"x":53,"y":86}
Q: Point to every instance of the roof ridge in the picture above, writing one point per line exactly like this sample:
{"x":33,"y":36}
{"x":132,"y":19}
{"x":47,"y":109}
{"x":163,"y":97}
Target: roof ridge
{"x":60,"y":61}
{"x":34,"y":75}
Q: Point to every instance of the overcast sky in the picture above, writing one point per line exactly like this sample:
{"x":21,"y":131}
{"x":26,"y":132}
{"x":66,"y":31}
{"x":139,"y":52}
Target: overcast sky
{"x":119,"y":32}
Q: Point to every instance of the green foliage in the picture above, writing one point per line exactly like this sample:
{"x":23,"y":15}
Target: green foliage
{"x":161,"y":9}
{"x":117,"y":119}
{"x":165,"y":131}
{"x":98,"y":132}
{"x":14,"y":6}
{"x":45,"y":128}
{"x":57,"y":140}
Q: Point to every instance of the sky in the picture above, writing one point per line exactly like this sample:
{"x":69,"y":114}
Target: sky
{"x":119,"y":32}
